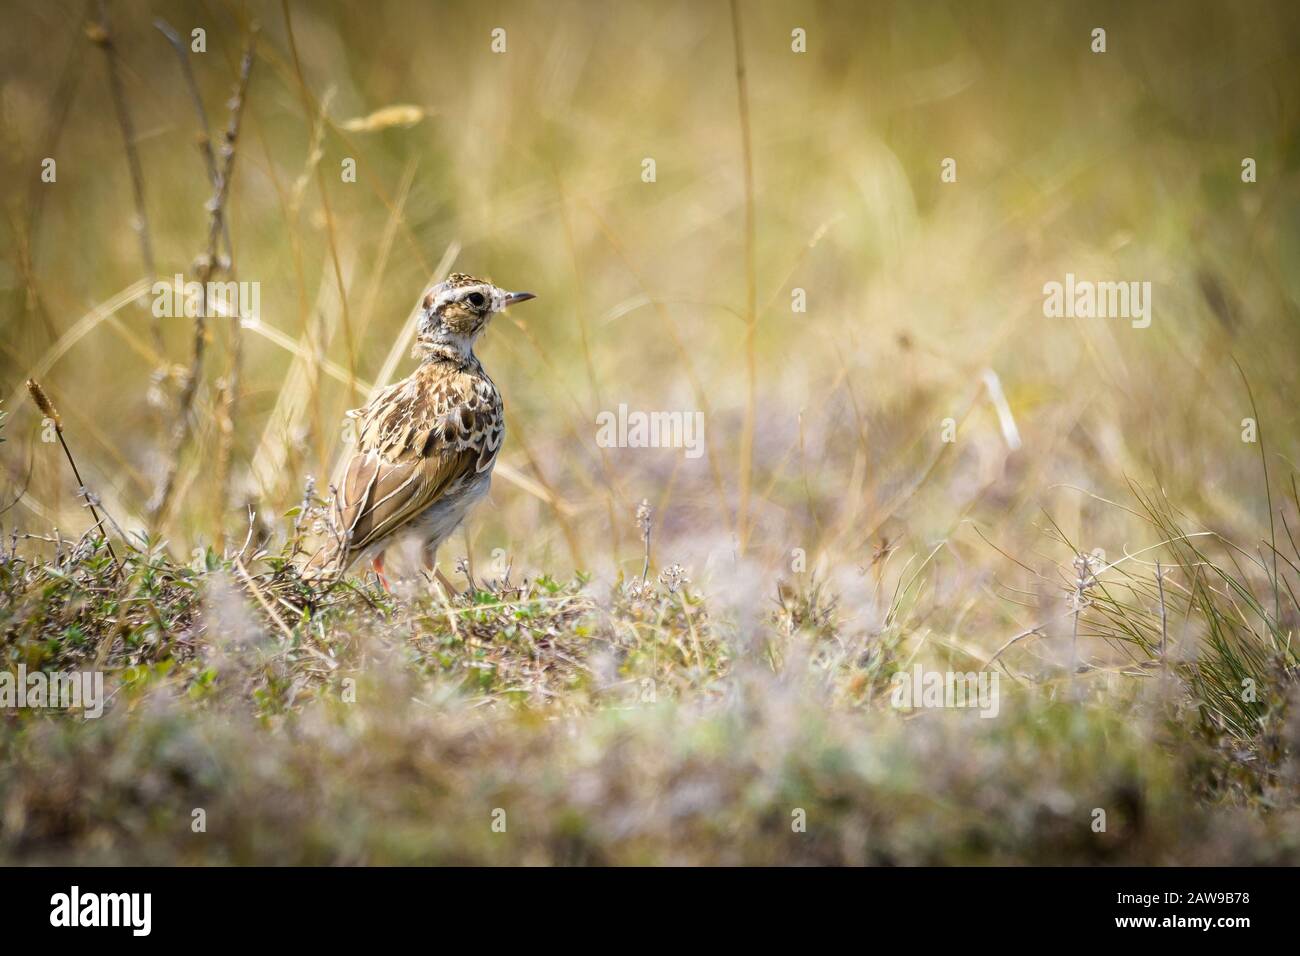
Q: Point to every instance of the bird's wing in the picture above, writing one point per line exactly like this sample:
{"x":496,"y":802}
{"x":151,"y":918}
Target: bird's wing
{"x":418,"y":440}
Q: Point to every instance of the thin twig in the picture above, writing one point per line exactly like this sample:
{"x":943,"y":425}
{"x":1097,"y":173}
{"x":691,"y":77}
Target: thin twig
{"x":230,"y":390}
{"x":101,"y":35}
{"x":50,"y":412}
{"x":1036,"y":629}
{"x":207,"y":268}
{"x":205,"y":135}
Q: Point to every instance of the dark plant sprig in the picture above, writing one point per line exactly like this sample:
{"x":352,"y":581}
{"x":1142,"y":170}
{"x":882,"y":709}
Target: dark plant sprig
{"x":50,"y":412}
{"x":644,"y":522}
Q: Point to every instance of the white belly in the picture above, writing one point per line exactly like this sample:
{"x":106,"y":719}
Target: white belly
{"x":436,"y":523}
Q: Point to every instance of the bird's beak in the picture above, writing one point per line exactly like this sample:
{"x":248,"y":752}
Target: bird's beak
{"x":514,"y":298}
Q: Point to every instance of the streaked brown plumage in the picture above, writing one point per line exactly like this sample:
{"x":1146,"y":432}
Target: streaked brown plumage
{"x":425,"y":445}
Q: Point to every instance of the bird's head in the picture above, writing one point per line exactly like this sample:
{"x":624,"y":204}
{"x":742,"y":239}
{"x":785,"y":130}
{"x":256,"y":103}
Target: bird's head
{"x":456,"y":311}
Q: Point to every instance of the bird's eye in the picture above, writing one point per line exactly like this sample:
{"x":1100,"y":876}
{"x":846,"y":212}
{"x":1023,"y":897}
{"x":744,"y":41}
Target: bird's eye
{"x":476,"y":299}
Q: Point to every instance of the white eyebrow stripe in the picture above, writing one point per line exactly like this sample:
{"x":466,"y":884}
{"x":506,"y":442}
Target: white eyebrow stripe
{"x":459,"y":292}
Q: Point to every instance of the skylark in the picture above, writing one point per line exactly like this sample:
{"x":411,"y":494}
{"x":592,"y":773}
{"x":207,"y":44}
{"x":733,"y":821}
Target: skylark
{"x":426,"y":445}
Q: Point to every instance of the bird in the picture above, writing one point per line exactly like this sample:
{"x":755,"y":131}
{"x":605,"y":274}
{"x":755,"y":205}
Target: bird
{"x":426,"y":445}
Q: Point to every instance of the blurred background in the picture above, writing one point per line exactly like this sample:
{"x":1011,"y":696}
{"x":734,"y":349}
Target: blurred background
{"x":526,"y":163}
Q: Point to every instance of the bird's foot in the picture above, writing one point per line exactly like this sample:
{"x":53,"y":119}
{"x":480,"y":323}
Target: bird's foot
{"x":377,"y":565}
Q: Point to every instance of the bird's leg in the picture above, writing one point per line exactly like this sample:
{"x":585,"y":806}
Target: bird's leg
{"x":431,"y":566}
{"x":377,"y":565}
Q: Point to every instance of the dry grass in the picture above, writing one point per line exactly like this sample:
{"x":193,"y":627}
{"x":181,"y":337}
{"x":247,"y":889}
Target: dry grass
{"x":1098,"y":532}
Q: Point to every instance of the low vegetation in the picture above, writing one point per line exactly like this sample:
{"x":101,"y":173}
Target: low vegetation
{"x":254,"y":720}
